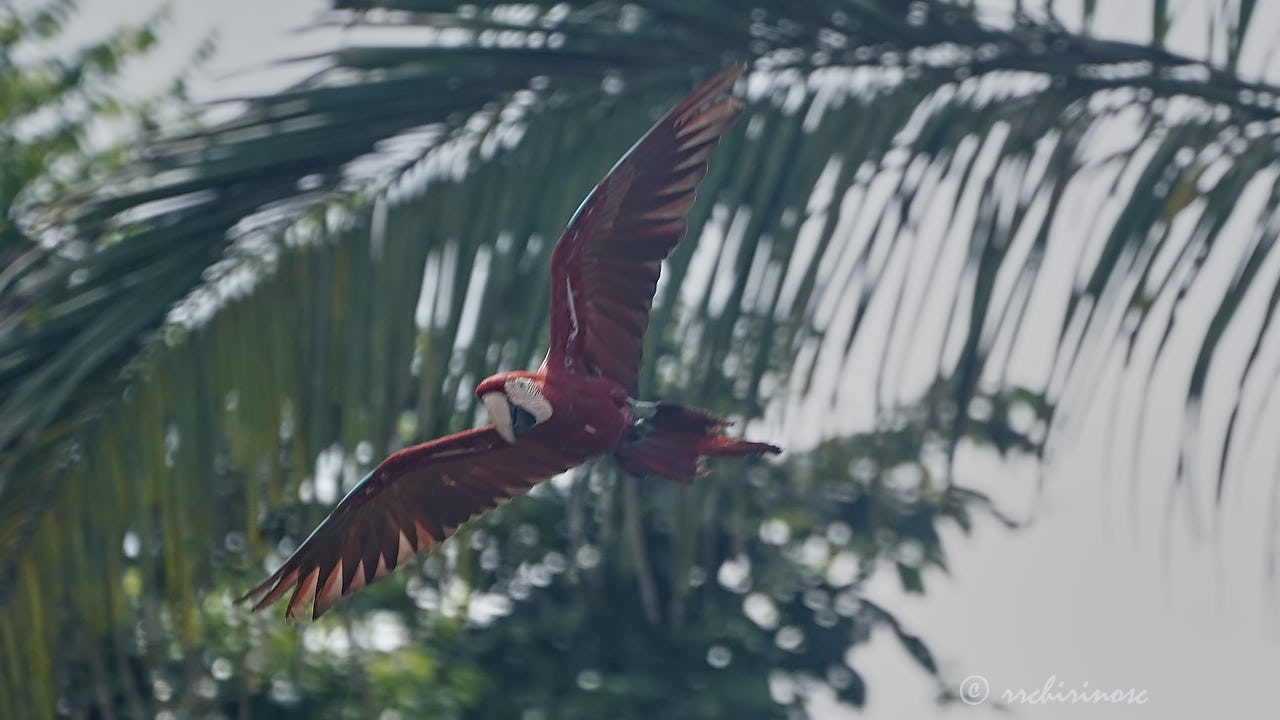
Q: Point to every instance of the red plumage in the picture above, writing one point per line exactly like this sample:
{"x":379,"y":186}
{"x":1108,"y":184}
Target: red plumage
{"x":579,"y":405}
{"x":674,"y":442}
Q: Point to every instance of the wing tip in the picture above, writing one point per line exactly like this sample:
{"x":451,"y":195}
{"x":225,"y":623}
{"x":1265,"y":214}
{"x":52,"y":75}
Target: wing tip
{"x":728,"y":75}
{"x":270,"y":589}
{"x":251,"y":594}
{"x":716,"y":85}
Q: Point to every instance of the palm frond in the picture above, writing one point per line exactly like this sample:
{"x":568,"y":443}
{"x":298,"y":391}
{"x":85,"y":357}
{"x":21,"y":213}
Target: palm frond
{"x":328,"y":274}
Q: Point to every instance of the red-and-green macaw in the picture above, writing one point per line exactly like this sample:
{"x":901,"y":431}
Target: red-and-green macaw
{"x":579,"y":405}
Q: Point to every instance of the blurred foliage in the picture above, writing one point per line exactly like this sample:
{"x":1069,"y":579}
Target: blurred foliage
{"x":52,"y":97}
{"x":204,"y":347}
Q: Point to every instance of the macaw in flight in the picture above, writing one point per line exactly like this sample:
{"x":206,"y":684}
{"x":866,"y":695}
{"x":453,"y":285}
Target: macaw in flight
{"x":579,"y":405}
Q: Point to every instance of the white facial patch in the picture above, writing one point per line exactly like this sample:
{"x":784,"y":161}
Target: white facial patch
{"x":524,"y":394}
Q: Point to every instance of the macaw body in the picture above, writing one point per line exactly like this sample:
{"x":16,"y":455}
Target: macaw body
{"x":580,"y":404}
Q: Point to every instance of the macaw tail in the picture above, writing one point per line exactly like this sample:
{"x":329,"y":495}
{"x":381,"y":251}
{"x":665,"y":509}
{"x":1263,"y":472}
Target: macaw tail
{"x":674,"y":439}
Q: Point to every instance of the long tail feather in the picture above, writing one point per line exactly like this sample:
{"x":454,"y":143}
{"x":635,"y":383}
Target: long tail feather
{"x":673,"y":443}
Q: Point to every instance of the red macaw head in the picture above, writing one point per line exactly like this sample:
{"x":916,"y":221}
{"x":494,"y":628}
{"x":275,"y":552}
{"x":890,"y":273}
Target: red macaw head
{"x":515,"y":401}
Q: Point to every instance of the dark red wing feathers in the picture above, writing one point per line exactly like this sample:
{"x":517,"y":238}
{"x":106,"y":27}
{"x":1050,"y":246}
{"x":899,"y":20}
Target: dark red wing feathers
{"x":604,"y":269}
{"x":410,"y":503}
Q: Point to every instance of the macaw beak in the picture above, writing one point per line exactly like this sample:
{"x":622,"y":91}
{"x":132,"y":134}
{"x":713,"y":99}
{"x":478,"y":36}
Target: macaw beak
{"x":500,"y":415}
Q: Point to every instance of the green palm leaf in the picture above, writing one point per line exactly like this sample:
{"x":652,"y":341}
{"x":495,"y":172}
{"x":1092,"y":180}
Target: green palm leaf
{"x":329,"y":273}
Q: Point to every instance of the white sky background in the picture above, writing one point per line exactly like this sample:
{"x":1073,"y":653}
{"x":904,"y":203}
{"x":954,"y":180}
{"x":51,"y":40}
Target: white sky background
{"x":1101,"y":589}
{"x":249,"y":36}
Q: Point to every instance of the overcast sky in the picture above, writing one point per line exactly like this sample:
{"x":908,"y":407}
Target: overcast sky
{"x":1100,"y":590}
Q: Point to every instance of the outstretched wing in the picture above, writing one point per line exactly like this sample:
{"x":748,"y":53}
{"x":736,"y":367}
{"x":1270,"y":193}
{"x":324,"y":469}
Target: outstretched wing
{"x":409,"y":504}
{"x":604,"y":269}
